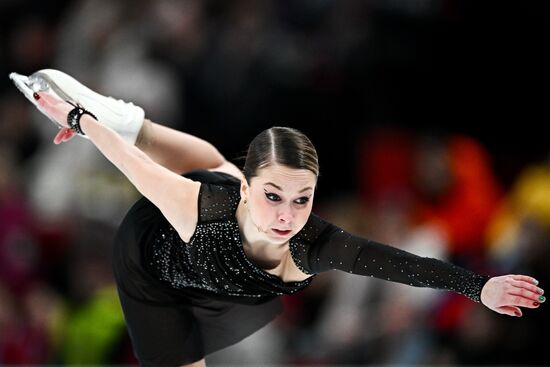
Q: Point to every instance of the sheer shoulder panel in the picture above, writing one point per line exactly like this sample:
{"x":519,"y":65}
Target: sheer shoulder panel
{"x":219,"y":195}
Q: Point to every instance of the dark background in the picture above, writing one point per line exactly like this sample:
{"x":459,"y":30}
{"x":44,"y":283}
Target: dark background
{"x":474,"y":67}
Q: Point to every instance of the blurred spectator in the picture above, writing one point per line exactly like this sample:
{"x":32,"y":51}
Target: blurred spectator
{"x":19,"y":250}
{"x":30,"y":331}
{"x":30,"y":44}
{"x":94,"y":330}
{"x":114,"y":58}
{"x":457,"y":190}
{"x":523,"y":216}
{"x":518,"y":236}
{"x":446,"y":183}
{"x":95,"y":325}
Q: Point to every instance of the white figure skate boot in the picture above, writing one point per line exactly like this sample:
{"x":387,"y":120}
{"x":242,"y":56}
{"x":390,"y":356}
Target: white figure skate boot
{"x":125,"y":118}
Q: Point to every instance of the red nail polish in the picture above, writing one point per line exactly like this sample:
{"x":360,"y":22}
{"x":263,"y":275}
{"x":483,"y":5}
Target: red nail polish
{"x":535,"y":303}
{"x":36,"y":96}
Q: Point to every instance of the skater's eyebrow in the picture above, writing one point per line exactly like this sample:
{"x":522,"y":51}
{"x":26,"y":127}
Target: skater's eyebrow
{"x":280,"y":189}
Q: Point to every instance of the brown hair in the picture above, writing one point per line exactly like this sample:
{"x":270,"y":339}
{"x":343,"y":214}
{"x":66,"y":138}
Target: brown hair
{"x":280,"y":145}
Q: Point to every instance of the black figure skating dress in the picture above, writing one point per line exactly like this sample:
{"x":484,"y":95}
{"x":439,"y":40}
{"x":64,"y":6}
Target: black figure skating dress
{"x":182,"y":301}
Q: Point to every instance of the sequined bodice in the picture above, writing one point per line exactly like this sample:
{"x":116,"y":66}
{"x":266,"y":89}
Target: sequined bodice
{"x":214,"y":259}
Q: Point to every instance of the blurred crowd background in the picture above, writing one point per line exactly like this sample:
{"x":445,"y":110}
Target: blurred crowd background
{"x":428,"y":116}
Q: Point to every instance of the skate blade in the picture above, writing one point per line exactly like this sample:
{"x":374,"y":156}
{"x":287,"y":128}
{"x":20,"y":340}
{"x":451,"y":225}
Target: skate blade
{"x":35,"y":83}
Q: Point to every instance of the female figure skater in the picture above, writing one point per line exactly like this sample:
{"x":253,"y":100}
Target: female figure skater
{"x":201,"y":259}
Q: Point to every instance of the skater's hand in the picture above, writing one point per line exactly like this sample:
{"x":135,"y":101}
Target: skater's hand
{"x":505,"y":294}
{"x":58,"y":110}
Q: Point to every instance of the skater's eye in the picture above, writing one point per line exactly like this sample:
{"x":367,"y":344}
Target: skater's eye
{"x":273,"y":197}
{"x":301,"y":201}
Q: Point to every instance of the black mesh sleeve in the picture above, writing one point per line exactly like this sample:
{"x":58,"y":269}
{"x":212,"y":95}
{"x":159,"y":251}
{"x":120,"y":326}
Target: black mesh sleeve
{"x":322,"y":246}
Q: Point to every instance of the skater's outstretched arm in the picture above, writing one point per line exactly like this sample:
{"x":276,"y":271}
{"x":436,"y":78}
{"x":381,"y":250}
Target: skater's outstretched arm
{"x":327,"y":247}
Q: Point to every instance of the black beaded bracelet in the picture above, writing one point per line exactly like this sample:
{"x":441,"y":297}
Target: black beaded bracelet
{"x":74,"y":116}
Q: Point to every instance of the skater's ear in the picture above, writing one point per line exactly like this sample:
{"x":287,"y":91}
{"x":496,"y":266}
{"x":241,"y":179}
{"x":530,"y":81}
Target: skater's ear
{"x":244,"y":189}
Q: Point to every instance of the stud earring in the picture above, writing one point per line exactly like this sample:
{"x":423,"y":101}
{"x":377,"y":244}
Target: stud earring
{"x":244,"y":202}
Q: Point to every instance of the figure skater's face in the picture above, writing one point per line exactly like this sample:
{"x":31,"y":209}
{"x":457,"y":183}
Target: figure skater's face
{"x":279,"y":200}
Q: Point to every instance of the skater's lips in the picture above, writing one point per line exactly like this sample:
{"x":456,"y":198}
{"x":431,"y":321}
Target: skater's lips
{"x":281,"y":232}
